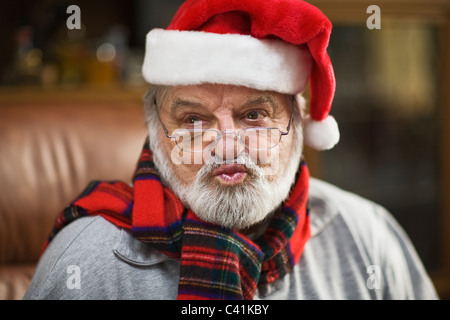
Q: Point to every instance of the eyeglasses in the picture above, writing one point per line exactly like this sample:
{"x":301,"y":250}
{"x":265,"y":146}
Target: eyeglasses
{"x":198,"y":139}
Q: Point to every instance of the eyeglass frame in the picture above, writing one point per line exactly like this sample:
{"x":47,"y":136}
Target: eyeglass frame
{"x":220,"y":133}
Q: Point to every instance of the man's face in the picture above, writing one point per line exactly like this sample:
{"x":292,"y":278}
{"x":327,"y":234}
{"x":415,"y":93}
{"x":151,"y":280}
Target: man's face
{"x":229,"y":179}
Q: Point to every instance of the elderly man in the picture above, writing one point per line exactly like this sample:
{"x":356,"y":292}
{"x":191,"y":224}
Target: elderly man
{"x":222,"y":205}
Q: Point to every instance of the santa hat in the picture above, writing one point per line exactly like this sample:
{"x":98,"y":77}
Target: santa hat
{"x":275,"y":45}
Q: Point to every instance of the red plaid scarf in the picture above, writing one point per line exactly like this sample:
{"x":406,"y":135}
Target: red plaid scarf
{"x":216,"y":263}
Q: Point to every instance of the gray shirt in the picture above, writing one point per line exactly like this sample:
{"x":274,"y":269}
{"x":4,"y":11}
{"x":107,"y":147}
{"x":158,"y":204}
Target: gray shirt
{"x":357,"y":251}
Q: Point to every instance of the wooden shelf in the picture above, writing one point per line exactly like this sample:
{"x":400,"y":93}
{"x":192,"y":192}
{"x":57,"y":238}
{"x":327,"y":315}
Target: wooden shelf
{"x":39,"y":95}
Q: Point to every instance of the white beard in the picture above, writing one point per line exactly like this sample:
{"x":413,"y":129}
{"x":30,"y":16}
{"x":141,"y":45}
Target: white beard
{"x":235,"y":207}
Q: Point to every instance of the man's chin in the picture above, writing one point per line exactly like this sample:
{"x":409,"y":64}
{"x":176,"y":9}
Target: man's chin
{"x":231,"y":205}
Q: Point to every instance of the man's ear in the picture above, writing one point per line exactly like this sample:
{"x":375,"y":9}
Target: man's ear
{"x":300,"y":103}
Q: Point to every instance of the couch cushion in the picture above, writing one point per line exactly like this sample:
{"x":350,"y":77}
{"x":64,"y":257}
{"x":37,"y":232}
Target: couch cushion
{"x":14,"y":281}
{"x":50,"y":149}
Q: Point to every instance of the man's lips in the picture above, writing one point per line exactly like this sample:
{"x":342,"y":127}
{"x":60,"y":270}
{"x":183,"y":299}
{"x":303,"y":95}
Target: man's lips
{"x":230,"y":173}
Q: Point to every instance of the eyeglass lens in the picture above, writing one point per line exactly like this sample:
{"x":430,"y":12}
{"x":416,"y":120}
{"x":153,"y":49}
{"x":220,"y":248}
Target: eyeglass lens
{"x":254,"y":139}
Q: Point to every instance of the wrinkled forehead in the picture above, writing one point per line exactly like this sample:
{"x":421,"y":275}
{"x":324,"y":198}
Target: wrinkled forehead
{"x":213,"y":96}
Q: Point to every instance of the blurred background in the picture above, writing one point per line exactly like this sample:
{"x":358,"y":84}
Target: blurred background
{"x":392,"y":97}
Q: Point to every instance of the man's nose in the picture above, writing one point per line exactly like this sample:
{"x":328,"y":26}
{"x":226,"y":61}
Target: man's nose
{"x":228,"y":146}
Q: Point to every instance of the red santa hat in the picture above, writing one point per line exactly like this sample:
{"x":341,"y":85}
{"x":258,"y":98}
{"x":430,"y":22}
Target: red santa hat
{"x":276,"y":45}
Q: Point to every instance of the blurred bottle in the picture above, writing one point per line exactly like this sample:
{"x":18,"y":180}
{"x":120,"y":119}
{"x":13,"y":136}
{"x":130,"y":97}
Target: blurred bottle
{"x":27,"y":63}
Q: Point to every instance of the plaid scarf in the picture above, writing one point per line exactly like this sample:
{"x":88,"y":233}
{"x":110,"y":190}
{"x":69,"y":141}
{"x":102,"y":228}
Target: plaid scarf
{"x":216,"y":262}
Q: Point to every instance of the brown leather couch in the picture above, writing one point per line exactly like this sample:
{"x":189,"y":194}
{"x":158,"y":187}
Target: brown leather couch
{"x":51,"y":145}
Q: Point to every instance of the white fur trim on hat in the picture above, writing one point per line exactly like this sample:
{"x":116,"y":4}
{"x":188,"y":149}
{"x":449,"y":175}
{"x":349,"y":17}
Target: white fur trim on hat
{"x":194,"y":57}
{"x":320,"y":135}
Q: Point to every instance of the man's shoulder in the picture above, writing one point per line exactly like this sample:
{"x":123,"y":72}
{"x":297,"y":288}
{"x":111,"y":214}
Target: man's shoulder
{"x":373,"y":230}
{"x":85,"y":234}
{"x":346,"y":215}
{"x":337,"y":196}
{"x":353,"y":237}
{"x":328,"y":202}
{"x":99,"y":253}
{"x":85,"y":241}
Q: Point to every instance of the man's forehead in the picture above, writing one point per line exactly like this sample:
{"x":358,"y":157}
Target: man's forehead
{"x":212,"y":95}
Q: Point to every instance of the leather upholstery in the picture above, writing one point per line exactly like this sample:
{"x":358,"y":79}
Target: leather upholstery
{"x":49,"y":151}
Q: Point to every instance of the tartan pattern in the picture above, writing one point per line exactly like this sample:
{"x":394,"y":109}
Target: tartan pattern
{"x":215,"y":262}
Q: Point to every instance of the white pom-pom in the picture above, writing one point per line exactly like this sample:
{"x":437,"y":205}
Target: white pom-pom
{"x":320,"y":135}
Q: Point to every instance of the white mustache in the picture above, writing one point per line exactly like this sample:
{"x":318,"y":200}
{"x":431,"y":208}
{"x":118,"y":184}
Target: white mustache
{"x":243,"y":159}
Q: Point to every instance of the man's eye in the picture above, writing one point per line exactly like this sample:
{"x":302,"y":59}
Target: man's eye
{"x":253,"y":115}
{"x":256,"y":115}
{"x":193,"y":119}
